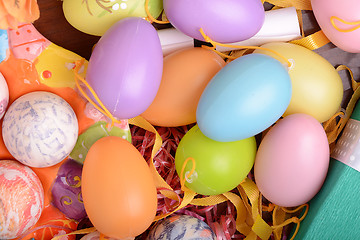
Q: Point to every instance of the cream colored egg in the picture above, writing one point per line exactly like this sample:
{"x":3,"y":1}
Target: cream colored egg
{"x":317,"y":88}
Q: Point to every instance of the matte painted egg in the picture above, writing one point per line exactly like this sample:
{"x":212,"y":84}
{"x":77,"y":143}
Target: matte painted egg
{"x":223,"y":21}
{"x":96,"y":17}
{"x":40,"y":129}
{"x":21,"y":198}
{"x":4,"y":95}
{"x":292,"y":161}
{"x":339,"y":22}
{"x":244,"y":98}
{"x":185,"y":76}
{"x":125,"y":67}
{"x":317,"y":88}
{"x":219,"y":166}
{"x":181,"y":227}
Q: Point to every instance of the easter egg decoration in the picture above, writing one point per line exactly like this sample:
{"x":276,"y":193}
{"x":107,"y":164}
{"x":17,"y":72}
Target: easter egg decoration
{"x":4,"y":45}
{"x":317,"y":88}
{"x":4,"y":95}
{"x":226,"y":22}
{"x":95,"y":17}
{"x":119,"y":193}
{"x":21,"y":198}
{"x":244,"y":98}
{"x":185,"y":76}
{"x":181,"y":227}
{"x":94,"y":236}
{"x":219,"y":166}
{"x":339,"y":22}
{"x":292,"y":161}
{"x":126,"y":66}
{"x":40,"y":129}
{"x":66,"y":190}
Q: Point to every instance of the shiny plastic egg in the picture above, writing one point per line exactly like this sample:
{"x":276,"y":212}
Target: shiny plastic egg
{"x":21,"y":198}
{"x":118,"y":189}
{"x":317,"y":88}
{"x":244,"y":98}
{"x":125,"y":67}
{"x":185,"y":76}
{"x":219,"y":166}
{"x":96,"y":17}
{"x":223,"y":21}
{"x":40,"y":129}
{"x":292,"y":161}
{"x":340,"y":22}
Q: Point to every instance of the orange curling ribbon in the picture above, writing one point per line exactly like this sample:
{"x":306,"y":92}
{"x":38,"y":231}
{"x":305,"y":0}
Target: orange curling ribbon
{"x":334,"y":126}
{"x":150,"y":16}
{"x":214,"y":43}
{"x":333,"y":18}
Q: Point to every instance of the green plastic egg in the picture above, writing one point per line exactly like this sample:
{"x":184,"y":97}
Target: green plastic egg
{"x":219,"y":166}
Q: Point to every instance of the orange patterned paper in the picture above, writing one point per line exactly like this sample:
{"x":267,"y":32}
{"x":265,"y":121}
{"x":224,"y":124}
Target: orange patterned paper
{"x":13,"y":12}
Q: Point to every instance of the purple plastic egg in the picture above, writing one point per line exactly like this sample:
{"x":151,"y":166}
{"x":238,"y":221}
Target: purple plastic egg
{"x":223,"y":21}
{"x":125,"y":68}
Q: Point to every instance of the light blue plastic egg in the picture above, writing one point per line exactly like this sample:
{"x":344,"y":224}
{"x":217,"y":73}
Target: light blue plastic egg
{"x":244,"y":98}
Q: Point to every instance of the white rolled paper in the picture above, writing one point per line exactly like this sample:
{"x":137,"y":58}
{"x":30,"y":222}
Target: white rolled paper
{"x":281,"y":25}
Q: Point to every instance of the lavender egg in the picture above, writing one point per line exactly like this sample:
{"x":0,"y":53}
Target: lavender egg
{"x":223,"y":21}
{"x":181,"y":227}
{"x":40,"y":129}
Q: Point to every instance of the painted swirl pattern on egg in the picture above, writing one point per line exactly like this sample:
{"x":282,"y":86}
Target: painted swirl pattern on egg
{"x":40,"y":129}
{"x":181,"y":227}
{"x":21,"y":199}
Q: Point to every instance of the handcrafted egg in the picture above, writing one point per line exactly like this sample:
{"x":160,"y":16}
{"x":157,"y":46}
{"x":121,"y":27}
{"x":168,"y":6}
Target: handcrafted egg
{"x":219,"y":166}
{"x":126,"y":66}
{"x":185,"y":76}
{"x":244,"y":98}
{"x":4,"y":95}
{"x":40,"y":129}
{"x":118,"y":191}
{"x":339,"y":22}
{"x":94,"y":236}
{"x":292,"y":161}
{"x":317,"y":88}
{"x":96,"y":17}
{"x":223,"y":21}
{"x":66,"y":190}
{"x":181,"y":227}
{"x":21,"y":198}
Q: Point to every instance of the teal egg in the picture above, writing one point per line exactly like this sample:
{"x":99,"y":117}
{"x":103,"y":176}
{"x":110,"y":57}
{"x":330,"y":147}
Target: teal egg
{"x":244,"y":98}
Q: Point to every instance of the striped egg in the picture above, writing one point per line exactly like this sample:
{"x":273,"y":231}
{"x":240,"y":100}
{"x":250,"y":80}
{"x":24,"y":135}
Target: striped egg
{"x":21,"y":199}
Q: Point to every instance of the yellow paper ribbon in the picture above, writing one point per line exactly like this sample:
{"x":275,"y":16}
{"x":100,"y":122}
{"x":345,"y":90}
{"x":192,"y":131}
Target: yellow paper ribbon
{"x":298,"y":4}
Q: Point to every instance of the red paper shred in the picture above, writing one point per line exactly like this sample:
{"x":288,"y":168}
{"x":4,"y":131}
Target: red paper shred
{"x":221,"y":218}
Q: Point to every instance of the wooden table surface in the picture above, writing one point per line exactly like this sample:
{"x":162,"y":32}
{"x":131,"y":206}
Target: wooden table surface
{"x":53,"y":25}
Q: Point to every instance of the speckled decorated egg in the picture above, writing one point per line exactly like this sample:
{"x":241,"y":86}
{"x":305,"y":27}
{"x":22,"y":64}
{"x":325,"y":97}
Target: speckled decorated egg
{"x":181,"y":227}
{"x":21,"y":199}
{"x":94,"y":236}
{"x":40,"y":129}
{"x":4,"y":95}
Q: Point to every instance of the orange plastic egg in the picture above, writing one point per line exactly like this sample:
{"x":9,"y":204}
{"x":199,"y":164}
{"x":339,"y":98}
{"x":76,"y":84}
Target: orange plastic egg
{"x":118,"y":190}
{"x":185,"y":76}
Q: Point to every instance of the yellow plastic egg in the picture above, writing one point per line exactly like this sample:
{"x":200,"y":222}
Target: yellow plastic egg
{"x":95,"y":17}
{"x":317,"y":86}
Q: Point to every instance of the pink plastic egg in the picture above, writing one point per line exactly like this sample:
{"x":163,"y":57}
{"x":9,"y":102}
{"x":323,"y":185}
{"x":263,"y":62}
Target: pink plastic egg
{"x":21,"y":199}
{"x":292,"y":161}
{"x":223,"y":21}
{"x":340,"y":22}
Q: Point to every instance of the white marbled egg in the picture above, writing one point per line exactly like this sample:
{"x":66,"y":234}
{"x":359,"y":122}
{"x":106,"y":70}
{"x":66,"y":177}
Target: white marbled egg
{"x":40,"y":129}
